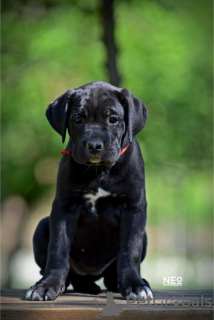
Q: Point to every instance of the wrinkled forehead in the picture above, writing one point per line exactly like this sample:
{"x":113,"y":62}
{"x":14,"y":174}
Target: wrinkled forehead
{"x":94,"y":100}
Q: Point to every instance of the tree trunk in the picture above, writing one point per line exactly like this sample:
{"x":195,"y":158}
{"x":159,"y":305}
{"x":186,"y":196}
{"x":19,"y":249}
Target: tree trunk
{"x":107,"y":15}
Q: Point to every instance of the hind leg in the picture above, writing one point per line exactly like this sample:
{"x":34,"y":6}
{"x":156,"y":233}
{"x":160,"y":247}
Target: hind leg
{"x":110,"y":277}
{"x":84,"y":284}
{"x":145,"y":242}
{"x":40,"y":243}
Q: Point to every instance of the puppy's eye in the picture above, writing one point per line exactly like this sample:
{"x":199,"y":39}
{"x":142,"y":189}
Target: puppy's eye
{"x":77,"y":119}
{"x":113,"y":120}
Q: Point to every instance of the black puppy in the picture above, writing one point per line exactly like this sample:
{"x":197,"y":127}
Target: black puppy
{"x":97,"y":223}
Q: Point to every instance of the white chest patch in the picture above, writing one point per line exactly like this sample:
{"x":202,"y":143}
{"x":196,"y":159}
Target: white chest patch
{"x":92,"y":198}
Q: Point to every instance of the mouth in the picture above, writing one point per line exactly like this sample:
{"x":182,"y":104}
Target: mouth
{"x":95,"y":160}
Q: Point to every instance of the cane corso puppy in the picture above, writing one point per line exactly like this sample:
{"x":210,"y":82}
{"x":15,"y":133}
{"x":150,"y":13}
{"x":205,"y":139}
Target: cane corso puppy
{"x":97,"y":224}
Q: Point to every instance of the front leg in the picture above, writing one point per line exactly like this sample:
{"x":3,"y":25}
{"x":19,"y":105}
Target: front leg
{"x":129,"y":278}
{"x":62,"y":230}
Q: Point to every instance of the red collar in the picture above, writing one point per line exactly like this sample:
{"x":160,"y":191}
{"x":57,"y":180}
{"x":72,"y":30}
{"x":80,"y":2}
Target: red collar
{"x":121,"y":152}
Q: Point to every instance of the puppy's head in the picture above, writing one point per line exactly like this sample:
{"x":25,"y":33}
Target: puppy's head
{"x":101,"y":120}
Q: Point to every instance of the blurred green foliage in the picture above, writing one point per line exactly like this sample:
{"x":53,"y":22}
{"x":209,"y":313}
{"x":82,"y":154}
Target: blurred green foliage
{"x":164,"y":58}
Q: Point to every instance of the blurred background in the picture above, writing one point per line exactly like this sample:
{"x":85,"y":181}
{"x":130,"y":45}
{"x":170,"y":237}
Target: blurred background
{"x":161,"y":50}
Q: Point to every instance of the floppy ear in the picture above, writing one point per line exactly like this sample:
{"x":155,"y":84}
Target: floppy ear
{"x":57,"y":113}
{"x":135,"y":114}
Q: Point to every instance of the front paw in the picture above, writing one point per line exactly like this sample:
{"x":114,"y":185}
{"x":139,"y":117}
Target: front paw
{"x":137,"y":288}
{"x":45,"y":289}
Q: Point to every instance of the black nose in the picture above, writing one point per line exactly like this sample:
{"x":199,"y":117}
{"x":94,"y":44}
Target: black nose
{"x":94,"y":145}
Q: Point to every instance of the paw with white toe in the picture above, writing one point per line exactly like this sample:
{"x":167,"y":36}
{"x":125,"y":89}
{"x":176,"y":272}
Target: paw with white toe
{"x":142,"y":293}
{"x":45,"y":290}
{"x":137,"y":289}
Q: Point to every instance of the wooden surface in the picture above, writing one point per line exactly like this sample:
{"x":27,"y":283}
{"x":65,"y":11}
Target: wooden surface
{"x":169,"y":305}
